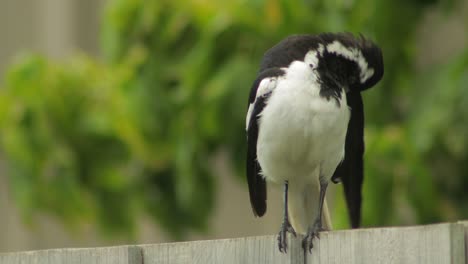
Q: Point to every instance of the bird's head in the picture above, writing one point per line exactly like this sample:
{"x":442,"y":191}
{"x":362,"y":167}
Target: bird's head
{"x":352,"y":62}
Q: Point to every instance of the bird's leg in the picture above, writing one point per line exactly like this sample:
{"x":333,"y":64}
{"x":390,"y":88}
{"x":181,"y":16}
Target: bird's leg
{"x":286,"y":225}
{"x":316,"y":227}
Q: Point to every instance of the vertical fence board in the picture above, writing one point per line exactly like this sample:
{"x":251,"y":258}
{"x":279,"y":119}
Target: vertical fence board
{"x":465,"y":225}
{"x":440,"y":243}
{"x":247,"y":250}
{"x":117,"y":255}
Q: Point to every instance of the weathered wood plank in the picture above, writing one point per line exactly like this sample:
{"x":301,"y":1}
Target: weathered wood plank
{"x":465,"y":225}
{"x":440,"y":243}
{"x":106,"y":255}
{"x":249,"y":250}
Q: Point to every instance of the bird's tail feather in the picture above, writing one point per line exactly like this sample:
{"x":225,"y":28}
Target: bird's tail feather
{"x":303,"y":205}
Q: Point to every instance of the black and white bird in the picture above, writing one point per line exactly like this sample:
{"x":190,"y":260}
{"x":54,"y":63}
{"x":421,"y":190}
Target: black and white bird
{"x":305,"y":127}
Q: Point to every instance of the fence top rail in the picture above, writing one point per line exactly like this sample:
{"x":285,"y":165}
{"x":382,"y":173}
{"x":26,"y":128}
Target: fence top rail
{"x":437,"y":243}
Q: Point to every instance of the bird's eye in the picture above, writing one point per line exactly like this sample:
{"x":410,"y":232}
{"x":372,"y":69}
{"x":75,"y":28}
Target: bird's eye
{"x":311,"y":65}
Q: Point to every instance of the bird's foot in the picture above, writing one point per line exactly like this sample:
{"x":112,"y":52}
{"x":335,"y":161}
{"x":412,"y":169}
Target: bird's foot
{"x":314,"y":231}
{"x":282,"y":236}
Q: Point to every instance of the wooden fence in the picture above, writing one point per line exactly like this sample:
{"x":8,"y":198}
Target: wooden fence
{"x":430,"y":244}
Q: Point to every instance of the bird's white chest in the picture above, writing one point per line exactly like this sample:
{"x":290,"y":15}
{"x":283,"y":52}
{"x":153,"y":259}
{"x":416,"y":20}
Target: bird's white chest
{"x":300,"y":131}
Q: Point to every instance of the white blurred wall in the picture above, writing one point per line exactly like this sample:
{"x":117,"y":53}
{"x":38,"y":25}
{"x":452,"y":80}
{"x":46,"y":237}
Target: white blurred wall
{"x":52,"y":27}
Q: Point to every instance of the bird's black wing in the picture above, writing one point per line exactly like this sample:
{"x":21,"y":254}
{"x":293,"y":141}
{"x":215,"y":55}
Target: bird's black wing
{"x":257,"y":101}
{"x":351,"y":171}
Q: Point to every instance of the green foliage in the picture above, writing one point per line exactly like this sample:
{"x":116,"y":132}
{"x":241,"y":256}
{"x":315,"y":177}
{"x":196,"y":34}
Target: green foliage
{"x":60,"y":133}
{"x":108,"y":141}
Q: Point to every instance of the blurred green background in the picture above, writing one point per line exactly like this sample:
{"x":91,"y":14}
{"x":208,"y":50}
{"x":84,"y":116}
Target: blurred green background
{"x":137,"y":130}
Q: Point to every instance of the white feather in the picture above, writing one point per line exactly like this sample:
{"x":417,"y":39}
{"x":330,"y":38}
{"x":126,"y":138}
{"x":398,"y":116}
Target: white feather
{"x":249,"y":113}
{"x":311,"y":56}
{"x":265,"y":86}
{"x":353,"y":54}
{"x":301,"y":137}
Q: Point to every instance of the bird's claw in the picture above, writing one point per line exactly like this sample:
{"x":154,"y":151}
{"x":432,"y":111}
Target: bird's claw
{"x":283,"y":238}
{"x":314,"y":231}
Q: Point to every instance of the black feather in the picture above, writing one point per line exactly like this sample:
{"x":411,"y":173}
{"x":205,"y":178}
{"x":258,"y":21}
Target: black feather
{"x":256,"y":182}
{"x":351,"y":170}
{"x":288,"y":50}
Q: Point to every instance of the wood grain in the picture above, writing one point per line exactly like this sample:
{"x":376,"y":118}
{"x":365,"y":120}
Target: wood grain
{"x":106,"y":255}
{"x":440,"y":243}
{"x":430,"y":244}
